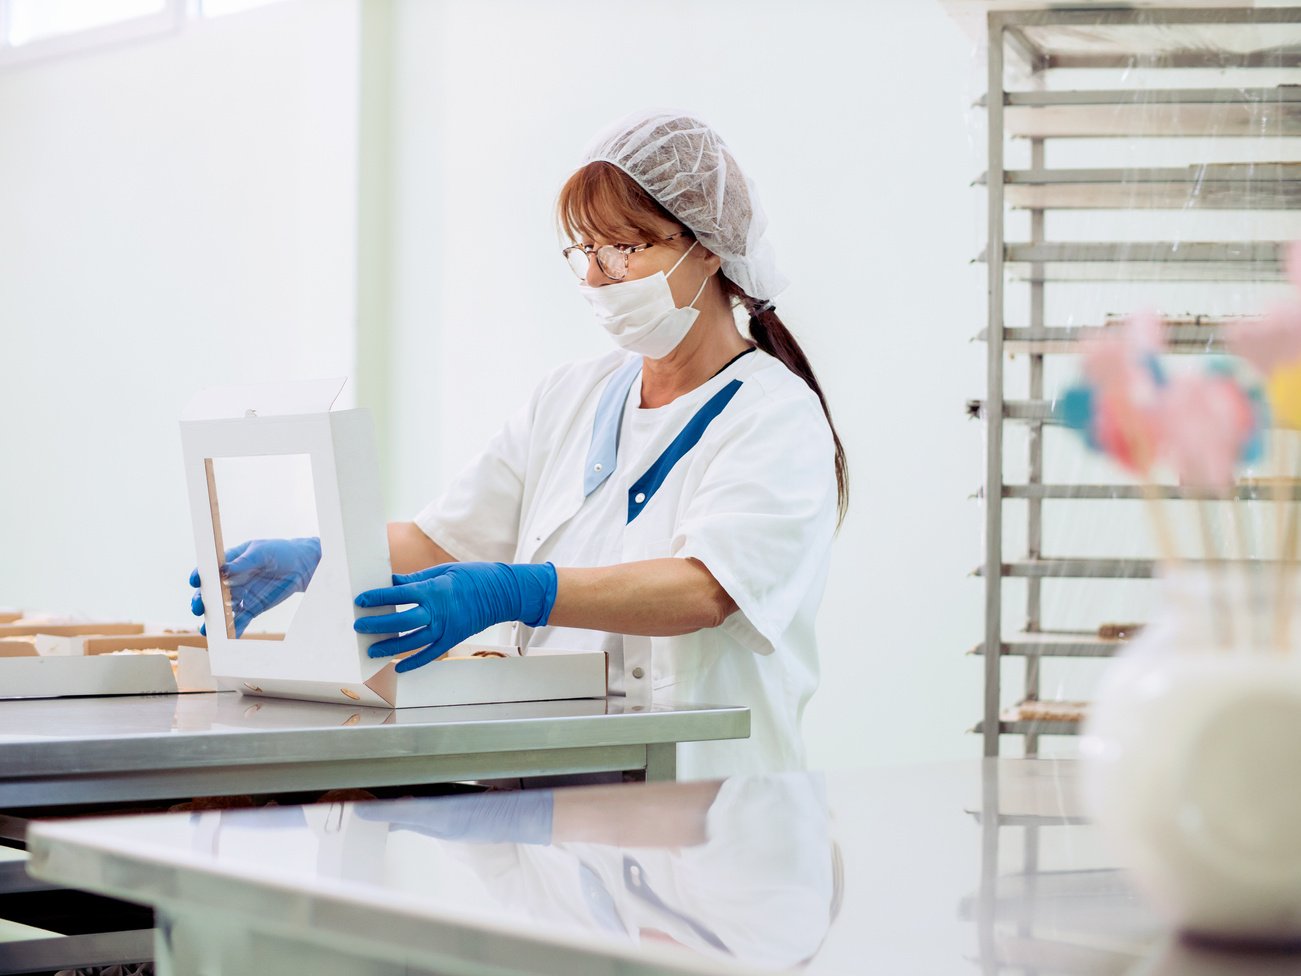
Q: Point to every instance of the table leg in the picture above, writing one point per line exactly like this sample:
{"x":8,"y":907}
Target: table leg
{"x":661,"y":762}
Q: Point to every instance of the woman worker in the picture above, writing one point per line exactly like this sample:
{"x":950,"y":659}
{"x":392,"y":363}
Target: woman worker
{"x":671,"y":503}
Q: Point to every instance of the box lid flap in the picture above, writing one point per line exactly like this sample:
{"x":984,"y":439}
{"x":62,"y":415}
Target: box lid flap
{"x":264,"y":400}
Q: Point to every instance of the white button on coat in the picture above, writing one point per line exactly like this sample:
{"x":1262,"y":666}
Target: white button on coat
{"x":754,"y":501}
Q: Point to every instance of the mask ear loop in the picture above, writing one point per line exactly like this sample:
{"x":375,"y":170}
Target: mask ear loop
{"x":692,"y":303}
{"x":683,"y":258}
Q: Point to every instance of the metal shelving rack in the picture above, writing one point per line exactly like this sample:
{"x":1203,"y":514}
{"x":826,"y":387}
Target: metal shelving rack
{"x":1234,"y":39}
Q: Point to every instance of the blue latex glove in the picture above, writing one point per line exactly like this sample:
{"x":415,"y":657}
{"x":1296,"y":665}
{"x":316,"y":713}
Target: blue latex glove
{"x":261,"y":573}
{"x":452,"y":602}
{"x":498,"y":817}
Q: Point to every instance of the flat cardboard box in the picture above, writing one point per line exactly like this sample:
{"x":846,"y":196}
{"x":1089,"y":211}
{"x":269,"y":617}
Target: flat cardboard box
{"x":69,"y":630}
{"x":74,"y":644}
{"x":321,"y":657}
{"x":162,"y":642}
{"x":481,"y":681}
{"x":69,"y":665}
{"x":461,"y":679}
{"x":67,"y":677}
{"x":193,"y":670}
{"x":274,"y":713}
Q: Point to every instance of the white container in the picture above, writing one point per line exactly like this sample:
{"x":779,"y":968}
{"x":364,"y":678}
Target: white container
{"x":1193,"y":762}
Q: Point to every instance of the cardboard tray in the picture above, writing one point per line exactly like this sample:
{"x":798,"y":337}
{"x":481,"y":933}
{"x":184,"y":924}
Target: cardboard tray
{"x":68,"y":677}
{"x":69,"y":665}
{"x":21,"y":629}
{"x":459,"y":679}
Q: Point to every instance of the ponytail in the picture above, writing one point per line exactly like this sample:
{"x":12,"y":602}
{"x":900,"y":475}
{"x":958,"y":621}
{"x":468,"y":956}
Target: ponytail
{"x":772,"y":336}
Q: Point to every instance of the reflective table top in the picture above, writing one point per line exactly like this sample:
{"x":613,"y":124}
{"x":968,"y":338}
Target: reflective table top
{"x":39,"y":737}
{"x":957,"y":868}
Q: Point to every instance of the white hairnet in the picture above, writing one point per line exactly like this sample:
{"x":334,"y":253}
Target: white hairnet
{"x":684,"y":165}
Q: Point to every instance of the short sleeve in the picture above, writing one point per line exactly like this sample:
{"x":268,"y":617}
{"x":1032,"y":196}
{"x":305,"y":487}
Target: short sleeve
{"x":763,"y":515}
{"x":477,"y":517}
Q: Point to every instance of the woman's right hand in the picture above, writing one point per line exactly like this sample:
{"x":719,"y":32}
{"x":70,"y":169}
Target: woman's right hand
{"x":261,"y":573}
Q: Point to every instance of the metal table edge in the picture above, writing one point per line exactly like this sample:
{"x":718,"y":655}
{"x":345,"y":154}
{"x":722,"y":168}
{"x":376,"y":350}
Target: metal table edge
{"x":43,"y":758}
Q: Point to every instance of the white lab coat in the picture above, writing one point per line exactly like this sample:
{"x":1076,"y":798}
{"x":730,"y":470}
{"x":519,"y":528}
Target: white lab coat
{"x":754,"y":500}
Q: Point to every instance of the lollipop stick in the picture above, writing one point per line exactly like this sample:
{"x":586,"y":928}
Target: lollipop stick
{"x":1140,"y":449}
{"x":1280,"y":491}
{"x":1283,"y":526}
{"x":1223,"y":623}
{"x":1253,"y":590}
{"x":1288,"y":567}
{"x":1160,"y":523}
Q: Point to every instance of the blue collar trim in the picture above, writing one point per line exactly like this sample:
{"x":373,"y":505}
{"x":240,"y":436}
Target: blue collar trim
{"x":644,"y":488}
{"x":604,"y":451}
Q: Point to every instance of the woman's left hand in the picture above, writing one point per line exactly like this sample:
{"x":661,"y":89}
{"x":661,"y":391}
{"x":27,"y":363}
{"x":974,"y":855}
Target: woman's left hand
{"x":453,"y":602}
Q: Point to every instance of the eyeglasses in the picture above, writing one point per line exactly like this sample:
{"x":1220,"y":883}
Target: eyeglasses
{"x":612,"y":259}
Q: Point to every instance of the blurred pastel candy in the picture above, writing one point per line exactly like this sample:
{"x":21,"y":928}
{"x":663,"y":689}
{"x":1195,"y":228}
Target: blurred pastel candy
{"x":1255,"y":407}
{"x":1145,"y":331}
{"x":1124,"y":361}
{"x":1269,"y":342}
{"x":1207,"y":422}
{"x":1107,"y":360}
{"x":1101,"y":421}
{"x":1124,"y":377}
{"x":1254,"y":449}
{"x":1127,"y":436}
{"x":1075,"y":410}
{"x":1284,"y":389}
{"x":1273,"y":341}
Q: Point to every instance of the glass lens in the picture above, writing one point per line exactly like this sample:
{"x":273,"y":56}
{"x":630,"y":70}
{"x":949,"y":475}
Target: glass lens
{"x":613,"y":262}
{"x":578,"y":260}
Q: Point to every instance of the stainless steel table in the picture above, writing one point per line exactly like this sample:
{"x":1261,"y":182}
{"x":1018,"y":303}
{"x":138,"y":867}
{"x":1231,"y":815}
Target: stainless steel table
{"x":95,"y":750}
{"x":962,"y":868}
{"x":128,"y":750}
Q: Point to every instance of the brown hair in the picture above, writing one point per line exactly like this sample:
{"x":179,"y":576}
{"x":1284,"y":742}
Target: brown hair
{"x":601,"y":201}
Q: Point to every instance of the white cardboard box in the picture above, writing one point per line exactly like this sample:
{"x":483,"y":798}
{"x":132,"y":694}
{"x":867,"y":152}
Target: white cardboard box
{"x":69,"y":664}
{"x":321,"y":657}
{"x":36,"y":676}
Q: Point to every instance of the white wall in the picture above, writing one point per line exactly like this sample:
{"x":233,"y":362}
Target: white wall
{"x":851,"y":117}
{"x":173,"y":214}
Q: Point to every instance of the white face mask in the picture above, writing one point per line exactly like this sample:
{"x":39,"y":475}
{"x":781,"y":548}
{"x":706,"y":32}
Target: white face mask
{"x":640,"y":314}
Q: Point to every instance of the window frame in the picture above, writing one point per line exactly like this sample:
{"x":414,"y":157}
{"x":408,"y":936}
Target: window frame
{"x":169,"y":20}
